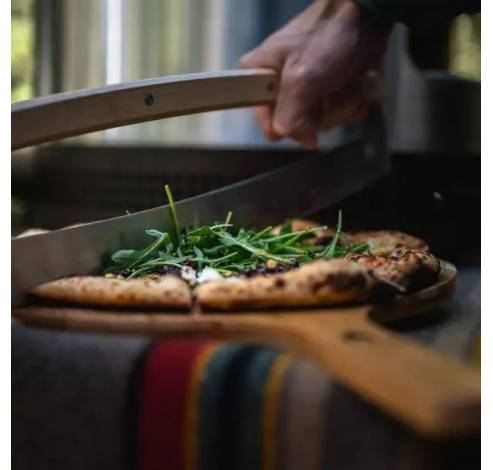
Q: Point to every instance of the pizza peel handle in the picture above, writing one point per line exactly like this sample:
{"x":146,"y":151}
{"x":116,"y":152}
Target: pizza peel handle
{"x":433,"y":394}
{"x":73,"y":113}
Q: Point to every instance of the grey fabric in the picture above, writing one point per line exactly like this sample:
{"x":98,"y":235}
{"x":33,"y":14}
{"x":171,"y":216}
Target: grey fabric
{"x":359,"y":436}
{"x":454,"y":329}
{"x":69,"y":399}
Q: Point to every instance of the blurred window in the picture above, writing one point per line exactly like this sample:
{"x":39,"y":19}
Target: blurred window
{"x":465,"y":47}
{"x":90,"y":43}
{"x":22,"y":55}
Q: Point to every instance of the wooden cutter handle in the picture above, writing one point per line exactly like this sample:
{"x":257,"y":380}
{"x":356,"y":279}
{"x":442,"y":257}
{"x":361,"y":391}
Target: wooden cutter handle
{"x":73,"y":113}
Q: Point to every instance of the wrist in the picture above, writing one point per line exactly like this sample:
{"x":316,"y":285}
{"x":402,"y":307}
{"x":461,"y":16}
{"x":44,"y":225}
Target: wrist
{"x":349,"y":12}
{"x":371,"y":16}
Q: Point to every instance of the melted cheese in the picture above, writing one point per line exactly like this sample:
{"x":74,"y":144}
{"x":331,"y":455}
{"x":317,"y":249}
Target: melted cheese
{"x":208,"y":274}
{"x":189,"y":274}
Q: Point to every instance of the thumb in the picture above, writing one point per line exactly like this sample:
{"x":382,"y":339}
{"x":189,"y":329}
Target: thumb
{"x":266,"y":55}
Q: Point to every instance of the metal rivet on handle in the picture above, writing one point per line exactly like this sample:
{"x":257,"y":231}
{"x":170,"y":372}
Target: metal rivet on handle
{"x":149,"y":100}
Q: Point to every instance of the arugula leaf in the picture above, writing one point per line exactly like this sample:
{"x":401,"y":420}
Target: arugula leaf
{"x":174,"y":215}
{"x":154,"y":233}
{"x":330,"y":251}
{"x":286,"y":227}
{"x":224,"y":247}
{"x":123,"y":256}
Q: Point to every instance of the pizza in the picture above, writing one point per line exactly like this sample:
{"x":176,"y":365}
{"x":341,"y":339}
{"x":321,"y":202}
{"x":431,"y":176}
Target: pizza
{"x":222,"y":267}
{"x":99,"y":291}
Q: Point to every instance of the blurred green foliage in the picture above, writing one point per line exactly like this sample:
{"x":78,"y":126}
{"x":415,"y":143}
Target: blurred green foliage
{"x":22,"y":49}
{"x":17,"y":212}
{"x":21,"y":81}
{"x":465,"y":47}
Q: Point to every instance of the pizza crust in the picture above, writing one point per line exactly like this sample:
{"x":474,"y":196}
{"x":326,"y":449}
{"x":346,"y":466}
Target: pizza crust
{"x":163,"y":292}
{"x":383,"y":242}
{"x":322,"y":282}
{"x":405,"y":268}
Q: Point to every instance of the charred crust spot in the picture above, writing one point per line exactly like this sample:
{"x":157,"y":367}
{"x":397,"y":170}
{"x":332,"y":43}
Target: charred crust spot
{"x":324,"y":240}
{"x":279,"y":283}
{"x":382,"y":290}
{"x":420,"y":279}
{"x":341,"y":281}
{"x":223,"y":289}
{"x":262,"y":270}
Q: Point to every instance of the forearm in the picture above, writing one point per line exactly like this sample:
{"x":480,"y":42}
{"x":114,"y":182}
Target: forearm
{"x":418,"y":14}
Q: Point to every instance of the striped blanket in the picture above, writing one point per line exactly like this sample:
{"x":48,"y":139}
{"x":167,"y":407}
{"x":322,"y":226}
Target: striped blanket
{"x":204,"y":405}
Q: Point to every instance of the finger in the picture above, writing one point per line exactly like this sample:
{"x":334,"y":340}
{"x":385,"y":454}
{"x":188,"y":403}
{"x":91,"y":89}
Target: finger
{"x":372,"y":87}
{"x":349,"y":113}
{"x":263,"y":116}
{"x":270,"y":53}
{"x":345,"y":106}
{"x":338,"y":115}
{"x":308,"y":139}
{"x":298,"y":99}
{"x":250,"y":59}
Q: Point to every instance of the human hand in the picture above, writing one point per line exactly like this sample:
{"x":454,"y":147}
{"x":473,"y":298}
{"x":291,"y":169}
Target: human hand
{"x":322,"y":56}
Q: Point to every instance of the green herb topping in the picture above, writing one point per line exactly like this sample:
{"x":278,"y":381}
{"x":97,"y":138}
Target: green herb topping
{"x":225,"y":248}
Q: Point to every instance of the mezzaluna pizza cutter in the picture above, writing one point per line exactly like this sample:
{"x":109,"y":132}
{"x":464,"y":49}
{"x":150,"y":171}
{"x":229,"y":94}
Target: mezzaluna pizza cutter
{"x":432,"y":394}
{"x":303,"y":187}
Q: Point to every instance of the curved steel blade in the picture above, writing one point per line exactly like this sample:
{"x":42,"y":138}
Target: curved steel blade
{"x":300,"y":188}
